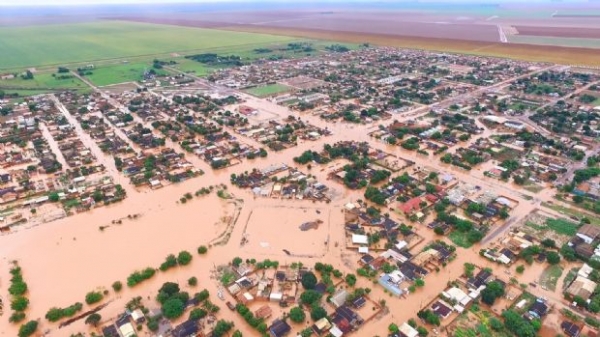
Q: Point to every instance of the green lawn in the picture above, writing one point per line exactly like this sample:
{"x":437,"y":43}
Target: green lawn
{"x":45,"y":45}
{"x":550,"y":277}
{"x":42,"y":81}
{"x":268,"y":90}
{"x":108,"y":75}
{"x":460,"y":239}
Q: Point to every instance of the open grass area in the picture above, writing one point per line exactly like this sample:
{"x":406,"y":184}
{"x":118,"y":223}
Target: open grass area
{"x":550,"y":276}
{"x":268,"y":90}
{"x":559,"y":226}
{"x":42,"y":81}
{"x":572,"y":212}
{"x":45,"y":45}
{"x":460,"y":239}
{"x":108,"y":75}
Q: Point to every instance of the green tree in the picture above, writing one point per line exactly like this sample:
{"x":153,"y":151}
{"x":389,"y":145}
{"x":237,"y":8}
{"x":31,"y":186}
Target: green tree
{"x":317,"y":312}
{"x":310,"y":296}
{"x":237,"y":261}
{"x":117,"y":286}
{"x":492,"y":291}
{"x":297,"y":315}
{"x":184,"y":258}
{"x":520,"y":269}
{"x":19,"y":303}
{"x":28,"y":329}
{"x":419,"y":282}
{"x":237,"y":333}
{"x":93,"y":319}
{"x":351,"y":279}
{"x":553,"y":258}
{"x":202,"y":250}
{"x":197,"y":313}
{"x":192,"y":281}
{"x":173,"y":308}
{"x":309,"y":280}
{"x":93,"y":297}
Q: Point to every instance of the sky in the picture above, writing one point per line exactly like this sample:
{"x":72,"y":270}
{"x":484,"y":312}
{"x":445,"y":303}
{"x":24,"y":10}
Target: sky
{"x":79,"y":2}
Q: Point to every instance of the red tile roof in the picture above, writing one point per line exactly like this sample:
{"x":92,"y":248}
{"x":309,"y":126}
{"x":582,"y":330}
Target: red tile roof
{"x":411,"y":205}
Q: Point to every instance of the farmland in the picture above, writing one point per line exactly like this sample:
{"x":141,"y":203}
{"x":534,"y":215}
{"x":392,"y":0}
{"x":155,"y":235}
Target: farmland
{"x":86,"y":42}
{"x":41,"y":81}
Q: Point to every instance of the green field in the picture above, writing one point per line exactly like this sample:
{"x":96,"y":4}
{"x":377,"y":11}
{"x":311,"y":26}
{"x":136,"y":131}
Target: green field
{"x":559,"y":226}
{"x":108,"y":75}
{"x":42,"y":81}
{"x":572,"y":212}
{"x":550,"y":277}
{"x":268,"y":90}
{"x":86,"y":42}
{"x":460,"y":239}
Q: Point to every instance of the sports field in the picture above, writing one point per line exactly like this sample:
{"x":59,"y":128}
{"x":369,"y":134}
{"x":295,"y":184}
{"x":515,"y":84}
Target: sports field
{"x":46,"y":45}
{"x":268,"y":90}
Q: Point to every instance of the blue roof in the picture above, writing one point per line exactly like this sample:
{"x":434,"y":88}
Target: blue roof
{"x":386,"y":282}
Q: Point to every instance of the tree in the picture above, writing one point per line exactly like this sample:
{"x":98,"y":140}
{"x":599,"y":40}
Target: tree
{"x":553,"y":258}
{"x":237,"y":261}
{"x":495,"y":324}
{"x":469,"y":269}
{"x":28,"y":329}
{"x":297,"y":315}
{"x":93,"y":319}
{"x":422,"y":331}
{"x":419,"y":282}
{"x":19,"y":303}
{"x":53,"y":197}
{"x":202,"y":250}
{"x":568,"y":253}
{"x":309,"y":280}
{"x":117,"y":286}
{"x":184,"y":258}
{"x":93,"y":297}
{"x":197,"y":313}
{"x":192,"y":281}
{"x":492,"y":291}
{"x":317,"y":312}
{"x":310,"y":296}
{"x":517,"y":324}
{"x":549,"y":243}
{"x":173,"y":308}
{"x":520,"y":269}
{"x":306,"y":332}
{"x":351,"y":279}
{"x":221,"y":328}
{"x":393,"y":328}
{"x":237,"y":333}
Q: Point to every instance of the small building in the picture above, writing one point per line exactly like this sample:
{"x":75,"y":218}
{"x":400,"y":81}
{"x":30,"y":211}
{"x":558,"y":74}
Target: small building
{"x":588,"y":233}
{"x":279,"y":328}
{"x":570,"y":329}
{"x":186,"y":329}
{"x":582,"y":287}
{"x":339,"y":298}
{"x":127,"y":330}
{"x":138,"y":316}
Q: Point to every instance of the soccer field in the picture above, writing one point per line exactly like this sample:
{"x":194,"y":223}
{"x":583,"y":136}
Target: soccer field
{"x":48,"y":45}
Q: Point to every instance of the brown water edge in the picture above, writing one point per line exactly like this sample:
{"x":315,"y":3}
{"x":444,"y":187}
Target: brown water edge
{"x":538,"y":53}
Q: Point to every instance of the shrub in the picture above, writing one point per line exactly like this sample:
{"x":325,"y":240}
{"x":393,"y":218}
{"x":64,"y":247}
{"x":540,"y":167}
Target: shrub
{"x":19,"y":303}
{"x":28,"y":329}
{"x":16,"y":317}
{"x":202,"y":250}
{"x":93,"y":297}
{"x":192,"y":281}
{"x":184,"y":258}
{"x":117,"y":286}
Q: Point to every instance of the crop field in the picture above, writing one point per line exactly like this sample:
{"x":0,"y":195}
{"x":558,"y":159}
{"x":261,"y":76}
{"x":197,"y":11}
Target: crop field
{"x":559,"y":226}
{"x":582,"y":56}
{"x":42,"y":81}
{"x":268,"y":90}
{"x":108,"y":75}
{"x":556,"y":41}
{"x":47,"y":45}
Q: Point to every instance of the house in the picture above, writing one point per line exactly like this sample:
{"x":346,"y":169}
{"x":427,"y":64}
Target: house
{"x":110,"y":331}
{"x":582,"y":287}
{"x":359,"y":302}
{"x":279,"y":328}
{"x":263,"y":312}
{"x":321,"y":326}
{"x":339,"y":298}
{"x":186,"y":329}
{"x":588,"y":233}
{"x":570,"y":329}
{"x":359,"y":239}
{"x":538,"y":309}
{"x":138,"y":316}
{"x":411,"y":206}
{"x":347,"y":314}
{"x":127,"y":330}
{"x":405,"y":330}
{"x":442,"y":309}
{"x":411,"y":271}
{"x":482,"y":278}
{"x":391,"y":283}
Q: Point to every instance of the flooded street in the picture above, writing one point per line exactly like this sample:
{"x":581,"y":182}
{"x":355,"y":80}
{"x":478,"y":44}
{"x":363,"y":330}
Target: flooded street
{"x":65,"y":259}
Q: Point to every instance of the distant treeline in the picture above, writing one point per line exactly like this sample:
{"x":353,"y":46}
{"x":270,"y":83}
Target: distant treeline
{"x":217,"y":60}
